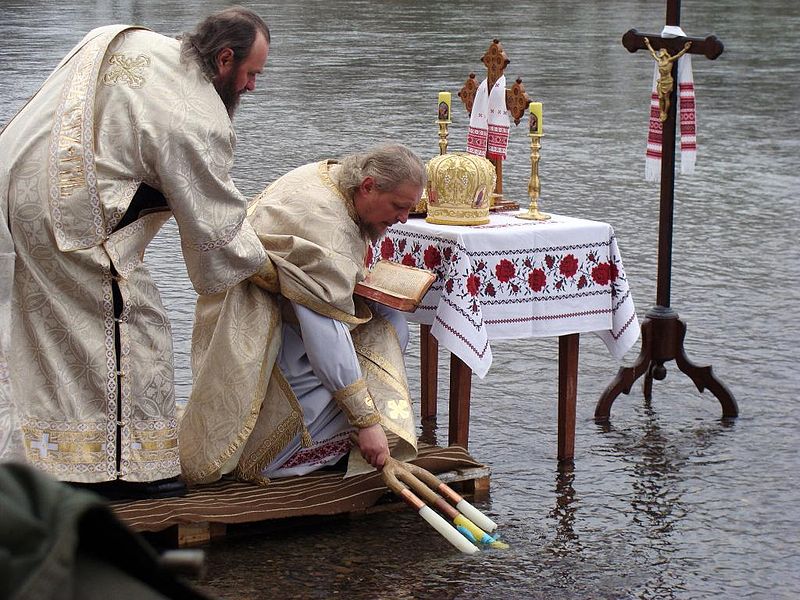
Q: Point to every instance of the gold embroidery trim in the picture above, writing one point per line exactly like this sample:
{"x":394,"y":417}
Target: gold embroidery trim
{"x":267,"y":277}
{"x":72,"y":149}
{"x":203,"y":473}
{"x":157,"y":445}
{"x":250,"y":467}
{"x":126,"y":70}
{"x":356,"y":402}
{"x":63,"y":447}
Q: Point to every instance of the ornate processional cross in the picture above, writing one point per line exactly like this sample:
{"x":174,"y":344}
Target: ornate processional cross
{"x":662,"y":331}
{"x":517,"y":101}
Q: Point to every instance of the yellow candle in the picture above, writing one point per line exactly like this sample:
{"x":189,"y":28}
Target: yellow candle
{"x":536,"y":117}
{"x":444,"y":106}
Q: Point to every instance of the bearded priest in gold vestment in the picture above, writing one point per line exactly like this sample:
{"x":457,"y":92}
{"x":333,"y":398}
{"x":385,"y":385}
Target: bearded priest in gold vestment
{"x":131,"y":129}
{"x":281,"y":379}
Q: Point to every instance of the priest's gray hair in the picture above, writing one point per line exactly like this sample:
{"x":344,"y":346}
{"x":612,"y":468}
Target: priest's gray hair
{"x":390,"y":165}
{"x":234,"y":27}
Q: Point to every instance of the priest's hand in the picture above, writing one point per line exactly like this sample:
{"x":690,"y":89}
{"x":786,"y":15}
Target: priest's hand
{"x":374,"y":445}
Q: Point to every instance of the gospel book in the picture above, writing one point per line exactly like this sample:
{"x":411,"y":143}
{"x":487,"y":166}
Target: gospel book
{"x":396,"y":285}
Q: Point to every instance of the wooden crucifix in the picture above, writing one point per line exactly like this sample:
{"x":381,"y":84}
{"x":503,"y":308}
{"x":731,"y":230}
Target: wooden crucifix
{"x":662,"y":331}
{"x":517,"y":102}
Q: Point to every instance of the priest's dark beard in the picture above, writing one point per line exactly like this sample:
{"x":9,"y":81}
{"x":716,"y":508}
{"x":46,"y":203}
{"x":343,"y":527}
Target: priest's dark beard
{"x":230,"y":96}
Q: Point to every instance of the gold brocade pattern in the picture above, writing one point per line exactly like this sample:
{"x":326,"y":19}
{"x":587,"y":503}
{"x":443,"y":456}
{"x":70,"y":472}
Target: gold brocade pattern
{"x":267,"y":447}
{"x":72,"y":162}
{"x":382,"y":365}
{"x":326,"y":174}
{"x":317,"y":251}
{"x":460,"y":187}
{"x":357,"y":404}
{"x":126,"y":70}
{"x":64,"y":446}
{"x":72,"y":168}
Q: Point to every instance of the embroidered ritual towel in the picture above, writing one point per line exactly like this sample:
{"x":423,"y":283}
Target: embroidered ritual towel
{"x":499,"y":123}
{"x":477,"y":134}
{"x":687,"y":117}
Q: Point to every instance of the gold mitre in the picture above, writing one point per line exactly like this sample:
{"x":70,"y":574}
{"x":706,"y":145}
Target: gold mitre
{"x":460,"y":187}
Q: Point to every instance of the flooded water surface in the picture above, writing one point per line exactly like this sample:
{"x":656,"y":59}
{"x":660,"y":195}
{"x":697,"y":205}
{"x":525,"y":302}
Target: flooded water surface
{"x":667,"y":501}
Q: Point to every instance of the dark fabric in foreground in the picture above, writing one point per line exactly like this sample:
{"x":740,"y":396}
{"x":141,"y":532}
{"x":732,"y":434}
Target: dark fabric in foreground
{"x":58,"y":542}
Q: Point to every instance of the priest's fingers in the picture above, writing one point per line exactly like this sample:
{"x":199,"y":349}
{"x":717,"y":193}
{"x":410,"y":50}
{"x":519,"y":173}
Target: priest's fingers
{"x":374,"y":445}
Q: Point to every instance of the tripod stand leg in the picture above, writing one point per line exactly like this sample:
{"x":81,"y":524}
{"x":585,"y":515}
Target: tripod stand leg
{"x":703,"y":377}
{"x":626,"y":376}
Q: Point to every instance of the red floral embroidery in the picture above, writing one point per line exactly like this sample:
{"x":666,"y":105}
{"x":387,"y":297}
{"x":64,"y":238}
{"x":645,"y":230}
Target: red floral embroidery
{"x":387,"y":248}
{"x":369,"y":257}
{"x":432,"y":257}
{"x":505,"y":270}
{"x":601,"y":274}
{"x":473,"y":284}
{"x":553,"y":272}
{"x":536,"y":280}
{"x":568,"y":266}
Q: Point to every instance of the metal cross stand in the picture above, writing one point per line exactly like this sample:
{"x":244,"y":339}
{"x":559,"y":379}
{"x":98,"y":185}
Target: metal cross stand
{"x":662,"y":331}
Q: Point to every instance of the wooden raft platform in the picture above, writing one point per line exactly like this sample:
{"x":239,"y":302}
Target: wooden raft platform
{"x":205,"y":512}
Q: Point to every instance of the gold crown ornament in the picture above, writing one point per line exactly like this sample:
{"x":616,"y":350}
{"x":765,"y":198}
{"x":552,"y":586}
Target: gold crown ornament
{"x":460,"y":187}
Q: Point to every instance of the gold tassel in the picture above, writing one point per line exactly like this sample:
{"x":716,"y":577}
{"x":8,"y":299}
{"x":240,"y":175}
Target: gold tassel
{"x":260,"y":480}
{"x":307,"y":440}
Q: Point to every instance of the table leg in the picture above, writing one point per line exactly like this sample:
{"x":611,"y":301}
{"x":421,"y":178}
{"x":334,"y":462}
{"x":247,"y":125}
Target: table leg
{"x":568,"y":346}
{"x":429,"y":372}
{"x":460,"y":390}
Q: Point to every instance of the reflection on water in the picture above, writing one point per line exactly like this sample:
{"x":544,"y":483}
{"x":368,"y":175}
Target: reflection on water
{"x":666,"y":501}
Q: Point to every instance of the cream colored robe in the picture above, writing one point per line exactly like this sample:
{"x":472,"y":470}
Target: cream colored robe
{"x":120,"y":111}
{"x":242,"y":412}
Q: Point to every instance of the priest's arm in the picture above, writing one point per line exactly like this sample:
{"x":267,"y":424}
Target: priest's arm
{"x":332,"y":355}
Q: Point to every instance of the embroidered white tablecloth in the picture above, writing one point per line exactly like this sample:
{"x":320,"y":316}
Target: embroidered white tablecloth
{"x":514,"y":278}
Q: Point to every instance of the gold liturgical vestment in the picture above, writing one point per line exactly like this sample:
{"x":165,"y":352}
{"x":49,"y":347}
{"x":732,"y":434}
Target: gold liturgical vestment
{"x":121,"y":110}
{"x":242,"y":412}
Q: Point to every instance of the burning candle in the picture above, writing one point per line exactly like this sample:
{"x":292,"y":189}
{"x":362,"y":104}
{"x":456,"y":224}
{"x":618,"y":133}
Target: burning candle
{"x":444,"y":106}
{"x":536,"y":118}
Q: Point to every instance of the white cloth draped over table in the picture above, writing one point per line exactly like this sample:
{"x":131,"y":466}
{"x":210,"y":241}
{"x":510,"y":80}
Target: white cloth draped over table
{"x":517,"y":279}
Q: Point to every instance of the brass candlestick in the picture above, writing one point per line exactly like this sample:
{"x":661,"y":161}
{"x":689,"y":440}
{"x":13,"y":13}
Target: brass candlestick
{"x":534,"y":185}
{"x":422,"y":205}
{"x":443,"y":136}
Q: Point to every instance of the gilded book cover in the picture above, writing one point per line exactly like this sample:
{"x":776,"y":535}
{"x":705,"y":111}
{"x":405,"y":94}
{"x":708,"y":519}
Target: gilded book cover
{"x":396,"y":285}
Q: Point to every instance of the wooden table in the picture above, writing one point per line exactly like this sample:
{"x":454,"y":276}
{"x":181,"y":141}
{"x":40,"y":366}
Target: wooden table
{"x":512,"y":279}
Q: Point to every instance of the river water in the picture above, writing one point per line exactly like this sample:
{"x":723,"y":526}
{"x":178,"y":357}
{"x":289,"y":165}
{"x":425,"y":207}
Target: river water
{"x":666,"y":502}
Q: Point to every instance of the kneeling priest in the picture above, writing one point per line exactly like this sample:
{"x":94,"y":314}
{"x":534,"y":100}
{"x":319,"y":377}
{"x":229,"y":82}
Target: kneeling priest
{"x":286,"y":365}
